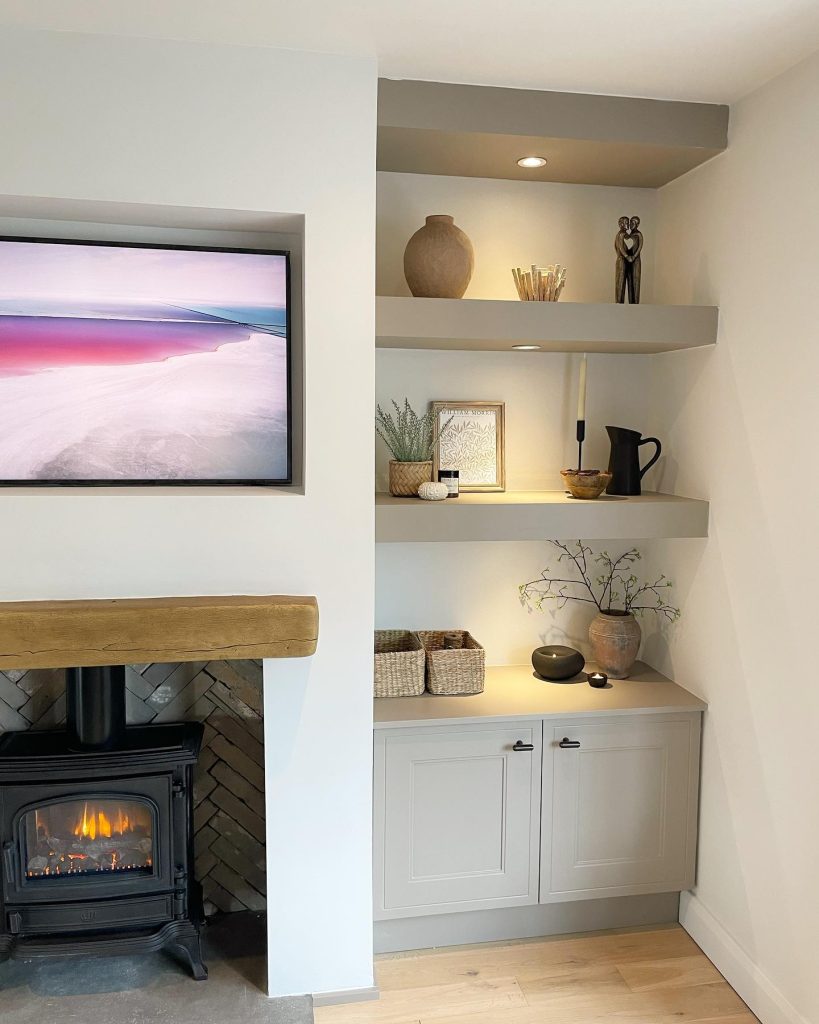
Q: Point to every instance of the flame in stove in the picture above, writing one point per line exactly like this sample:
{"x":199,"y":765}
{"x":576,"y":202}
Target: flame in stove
{"x":95,"y":823}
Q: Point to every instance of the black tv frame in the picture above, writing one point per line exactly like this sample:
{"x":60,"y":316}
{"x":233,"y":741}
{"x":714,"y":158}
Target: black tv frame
{"x":285,"y":482}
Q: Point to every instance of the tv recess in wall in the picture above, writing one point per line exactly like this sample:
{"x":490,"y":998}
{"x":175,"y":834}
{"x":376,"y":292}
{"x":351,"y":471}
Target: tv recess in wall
{"x":143,"y":364}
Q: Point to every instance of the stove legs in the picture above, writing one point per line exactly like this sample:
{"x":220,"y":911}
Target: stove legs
{"x":187,"y":948}
{"x":179,"y":938}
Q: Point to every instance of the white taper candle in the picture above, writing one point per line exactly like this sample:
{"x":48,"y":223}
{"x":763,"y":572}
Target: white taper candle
{"x":581,"y":394}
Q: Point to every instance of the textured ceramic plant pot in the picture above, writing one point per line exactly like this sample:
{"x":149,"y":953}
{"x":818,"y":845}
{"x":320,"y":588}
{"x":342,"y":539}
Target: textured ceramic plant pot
{"x":407,"y":477}
{"x":615,"y":641}
{"x":439,"y":260}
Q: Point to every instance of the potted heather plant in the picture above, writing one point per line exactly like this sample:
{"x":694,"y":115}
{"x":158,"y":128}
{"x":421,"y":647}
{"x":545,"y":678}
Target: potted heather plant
{"x":615,"y":591}
{"x":410,"y":439}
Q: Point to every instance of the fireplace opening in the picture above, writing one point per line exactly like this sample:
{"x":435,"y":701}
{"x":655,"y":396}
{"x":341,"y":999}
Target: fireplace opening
{"x":89,"y":837}
{"x":96,"y":832}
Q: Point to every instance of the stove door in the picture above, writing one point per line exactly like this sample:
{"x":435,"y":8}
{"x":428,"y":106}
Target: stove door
{"x":88,"y":839}
{"x":105,"y":836}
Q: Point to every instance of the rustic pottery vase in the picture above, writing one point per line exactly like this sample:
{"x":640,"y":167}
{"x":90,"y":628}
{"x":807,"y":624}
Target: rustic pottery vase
{"x":407,"y":477}
{"x":438,"y":260}
{"x":615,"y":640}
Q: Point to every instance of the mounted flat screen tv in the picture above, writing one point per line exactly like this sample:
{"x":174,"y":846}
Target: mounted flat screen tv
{"x":143,"y":364}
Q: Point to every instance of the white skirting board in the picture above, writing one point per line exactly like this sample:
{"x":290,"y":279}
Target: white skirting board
{"x":345,"y":995}
{"x":758,"y":991}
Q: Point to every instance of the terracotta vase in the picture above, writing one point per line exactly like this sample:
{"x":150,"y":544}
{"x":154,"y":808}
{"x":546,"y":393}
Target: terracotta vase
{"x":615,"y":640}
{"x":407,"y":477}
{"x":439,"y":260}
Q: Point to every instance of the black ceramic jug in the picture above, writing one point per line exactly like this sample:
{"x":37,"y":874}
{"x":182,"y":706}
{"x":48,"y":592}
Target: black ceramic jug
{"x":624,"y":461}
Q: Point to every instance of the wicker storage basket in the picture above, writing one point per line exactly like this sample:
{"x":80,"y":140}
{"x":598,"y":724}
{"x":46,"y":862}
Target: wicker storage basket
{"x":399,"y":664}
{"x":459,"y":670}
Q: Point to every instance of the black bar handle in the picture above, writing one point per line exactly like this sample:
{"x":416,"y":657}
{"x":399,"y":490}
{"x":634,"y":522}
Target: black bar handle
{"x":567,"y":744}
{"x":520,"y":745}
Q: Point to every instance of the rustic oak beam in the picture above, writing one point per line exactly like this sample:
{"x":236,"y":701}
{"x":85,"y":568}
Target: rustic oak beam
{"x":57,"y":634}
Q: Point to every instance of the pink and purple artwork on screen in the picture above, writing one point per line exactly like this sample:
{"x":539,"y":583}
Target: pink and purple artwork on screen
{"x":136,"y":364}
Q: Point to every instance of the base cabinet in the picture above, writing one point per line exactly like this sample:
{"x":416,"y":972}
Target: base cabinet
{"x":457,"y":813}
{"x":510,"y":814}
{"x":620,"y":804}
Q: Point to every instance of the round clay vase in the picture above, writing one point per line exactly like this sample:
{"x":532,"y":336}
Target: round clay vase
{"x":615,"y":640}
{"x":438,"y":260}
{"x":407,"y":477}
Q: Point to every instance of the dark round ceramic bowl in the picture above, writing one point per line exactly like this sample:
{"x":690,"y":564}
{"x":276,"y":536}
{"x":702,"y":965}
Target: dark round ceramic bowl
{"x":557,"y":663}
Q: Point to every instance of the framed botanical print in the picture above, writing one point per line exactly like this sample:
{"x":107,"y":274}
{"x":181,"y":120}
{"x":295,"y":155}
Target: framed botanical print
{"x":473,"y":443}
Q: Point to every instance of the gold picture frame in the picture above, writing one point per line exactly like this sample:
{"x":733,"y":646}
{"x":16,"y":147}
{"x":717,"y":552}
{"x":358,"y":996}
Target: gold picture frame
{"x":474,"y":444}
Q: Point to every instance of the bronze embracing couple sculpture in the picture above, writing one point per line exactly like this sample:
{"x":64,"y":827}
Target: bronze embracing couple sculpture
{"x":628,"y":245}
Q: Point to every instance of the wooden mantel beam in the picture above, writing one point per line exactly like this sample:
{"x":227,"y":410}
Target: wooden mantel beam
{"x":59,"y":634}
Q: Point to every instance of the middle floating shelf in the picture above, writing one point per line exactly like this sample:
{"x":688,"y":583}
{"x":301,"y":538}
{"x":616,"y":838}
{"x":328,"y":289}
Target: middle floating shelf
{"x":497,"y":325}
{"x":537,"y":515}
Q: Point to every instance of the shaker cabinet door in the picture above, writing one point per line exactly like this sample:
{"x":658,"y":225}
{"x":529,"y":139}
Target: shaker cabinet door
{"x":620,"y":806}
{"x":456,"y":818}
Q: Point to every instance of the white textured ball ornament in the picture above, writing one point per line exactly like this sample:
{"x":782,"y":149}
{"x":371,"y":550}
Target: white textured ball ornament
{"x":432,"y":492}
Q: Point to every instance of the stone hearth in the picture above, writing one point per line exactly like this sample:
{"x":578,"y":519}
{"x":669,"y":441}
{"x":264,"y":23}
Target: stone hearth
{"x":155,"y":990}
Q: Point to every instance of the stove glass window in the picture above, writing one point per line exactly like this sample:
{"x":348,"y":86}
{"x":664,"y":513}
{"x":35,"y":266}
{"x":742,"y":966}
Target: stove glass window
{"x":88,"y":837}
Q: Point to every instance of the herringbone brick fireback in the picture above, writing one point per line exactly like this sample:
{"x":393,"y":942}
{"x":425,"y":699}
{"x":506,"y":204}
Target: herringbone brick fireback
{"x":229,"y":787}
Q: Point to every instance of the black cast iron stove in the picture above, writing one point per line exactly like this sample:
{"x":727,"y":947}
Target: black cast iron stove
{"x":96,"y":832}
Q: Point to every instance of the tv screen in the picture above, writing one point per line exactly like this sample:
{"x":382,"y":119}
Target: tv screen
{"x":143,"y":364}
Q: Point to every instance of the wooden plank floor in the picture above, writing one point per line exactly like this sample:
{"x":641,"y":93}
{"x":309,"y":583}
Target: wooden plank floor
{"x":656,"y":976}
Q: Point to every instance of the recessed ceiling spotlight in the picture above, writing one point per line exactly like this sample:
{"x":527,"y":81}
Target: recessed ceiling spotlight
{"x":532,"y":162}
{"x":526,"y":348}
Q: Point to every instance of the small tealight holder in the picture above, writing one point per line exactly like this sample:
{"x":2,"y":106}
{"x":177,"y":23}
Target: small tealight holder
{"x":598,"y":680}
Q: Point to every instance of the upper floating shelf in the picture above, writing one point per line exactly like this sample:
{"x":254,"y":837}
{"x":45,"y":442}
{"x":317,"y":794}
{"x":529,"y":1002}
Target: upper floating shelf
{"x":537,"y":515}
{"x":497,"y":325}
{"x":480,"y":132}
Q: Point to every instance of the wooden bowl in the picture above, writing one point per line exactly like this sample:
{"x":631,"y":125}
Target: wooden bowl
{"x":586,"y":483}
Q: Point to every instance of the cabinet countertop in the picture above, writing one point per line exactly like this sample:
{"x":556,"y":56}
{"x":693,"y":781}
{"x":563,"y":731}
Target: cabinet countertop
{"x":515,"y":692}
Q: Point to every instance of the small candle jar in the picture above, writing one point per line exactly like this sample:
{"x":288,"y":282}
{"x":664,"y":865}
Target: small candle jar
{"x":452,"y":479}
{"x":598,"y":680}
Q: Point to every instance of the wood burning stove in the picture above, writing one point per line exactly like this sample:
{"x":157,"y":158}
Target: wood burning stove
{"x":96,"y":832}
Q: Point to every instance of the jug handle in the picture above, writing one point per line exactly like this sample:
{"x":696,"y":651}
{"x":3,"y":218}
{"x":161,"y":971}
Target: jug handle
{"x":654,"y":458}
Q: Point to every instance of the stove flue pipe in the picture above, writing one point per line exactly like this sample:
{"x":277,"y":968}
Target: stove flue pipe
{"x":95,"y":706}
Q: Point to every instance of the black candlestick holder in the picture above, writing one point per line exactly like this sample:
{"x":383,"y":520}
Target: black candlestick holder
{"x":581,"y":437}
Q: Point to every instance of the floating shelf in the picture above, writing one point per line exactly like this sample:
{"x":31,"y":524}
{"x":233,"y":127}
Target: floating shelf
{"x":477,"y":131}
{"x":497,"y":325}
{"x":537,"y":515}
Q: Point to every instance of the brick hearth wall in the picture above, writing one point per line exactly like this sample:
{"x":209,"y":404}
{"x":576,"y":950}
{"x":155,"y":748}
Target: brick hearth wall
{"x":229,"y":787}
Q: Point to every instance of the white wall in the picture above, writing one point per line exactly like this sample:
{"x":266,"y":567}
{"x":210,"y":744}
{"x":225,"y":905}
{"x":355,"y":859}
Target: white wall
{"x":515,"y":224}
{"x":743,"y":232}
{"x":509,"y":222}
{"x":475,"y":585}
{"x":540,"y":392}
{"x":201,"y":129}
